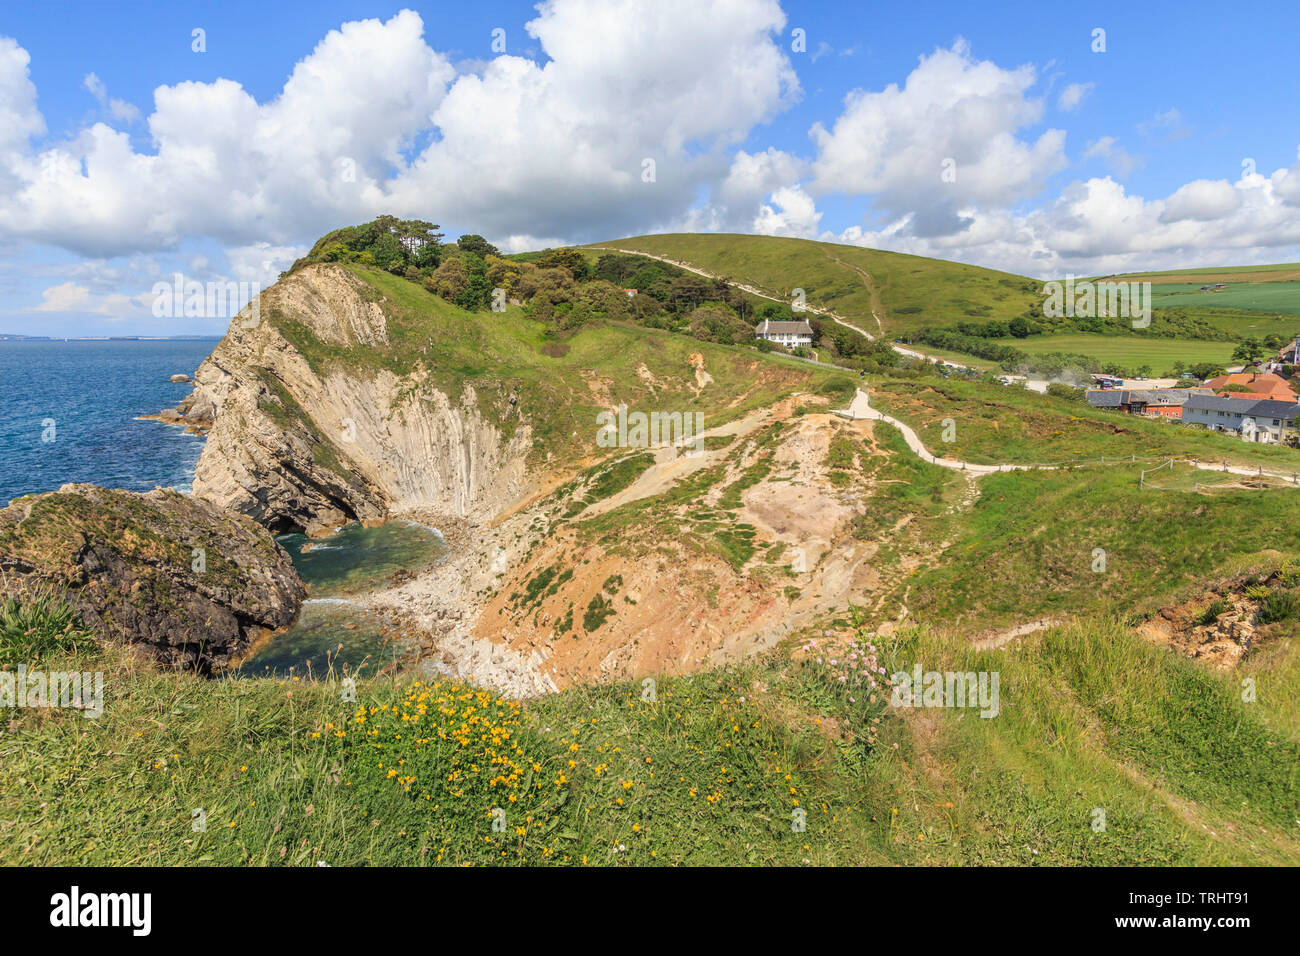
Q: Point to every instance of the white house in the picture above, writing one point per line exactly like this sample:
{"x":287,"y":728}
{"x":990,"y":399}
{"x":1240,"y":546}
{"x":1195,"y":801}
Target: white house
{"x":789,"y":334}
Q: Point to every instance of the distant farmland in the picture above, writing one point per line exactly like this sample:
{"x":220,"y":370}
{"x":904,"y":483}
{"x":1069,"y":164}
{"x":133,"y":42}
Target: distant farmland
{"x":1253,"y":296}
{"x":1274,"y":288}
{"x":1131,"y":351}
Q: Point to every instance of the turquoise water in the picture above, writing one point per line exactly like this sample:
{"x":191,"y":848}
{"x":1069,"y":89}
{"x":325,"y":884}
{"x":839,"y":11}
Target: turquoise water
{"x":70,"y":408}
{"x":332,"y":632}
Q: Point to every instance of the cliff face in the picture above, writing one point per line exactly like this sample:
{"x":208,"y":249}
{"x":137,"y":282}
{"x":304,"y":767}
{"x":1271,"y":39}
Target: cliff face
{"x":310,"y":430}
{"x":191,"y":585}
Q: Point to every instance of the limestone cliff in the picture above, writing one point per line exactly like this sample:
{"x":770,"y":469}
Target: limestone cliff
{"x":316,"y":420}
{"x":192,"y":586}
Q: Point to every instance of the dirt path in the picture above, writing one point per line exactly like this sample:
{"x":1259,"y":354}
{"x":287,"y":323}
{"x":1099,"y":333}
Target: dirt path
{"x":860,"y":408}
{"x":825,"y":313}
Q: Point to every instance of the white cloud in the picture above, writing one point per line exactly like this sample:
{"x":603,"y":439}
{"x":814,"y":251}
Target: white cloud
{"x":510,"y":144}
{"x":1204,"y":200}
{"x":70,"y":297}
{"x":119,"y":110}
{"x":792,"y":212}
{"x":955,"y":113}
{"x":1095,"y":227}
{"x":541,"y":151}
{"x":1169,"y":123}
{"x":1073,"y":95}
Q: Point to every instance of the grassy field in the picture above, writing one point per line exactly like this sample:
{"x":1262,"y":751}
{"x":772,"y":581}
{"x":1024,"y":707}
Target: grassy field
{"x":995,"y":424}
{"x":1255,"y":296}
{"x":1026,"y":550}
{"x":714,"y":770}
{"x":906,"y":292}
{"x":1131,"y":351}
{"x":1272,"y":289}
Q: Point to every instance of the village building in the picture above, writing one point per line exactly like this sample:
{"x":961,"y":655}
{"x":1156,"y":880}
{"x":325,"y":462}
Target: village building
{"x":789,"y":334}
{"x":1153,"y":402}
{"x":1264,"y":421}
{"x":1261,"y":384}
{"x":1273,"y":422}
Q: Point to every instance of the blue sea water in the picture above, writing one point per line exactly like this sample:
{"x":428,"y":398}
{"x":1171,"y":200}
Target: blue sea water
{"x":92,"y":393}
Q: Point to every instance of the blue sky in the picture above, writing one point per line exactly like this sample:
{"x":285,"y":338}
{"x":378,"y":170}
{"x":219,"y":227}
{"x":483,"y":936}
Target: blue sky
{"x":126,"y":156}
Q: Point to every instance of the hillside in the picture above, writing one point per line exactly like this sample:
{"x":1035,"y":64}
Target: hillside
{"x":680,"y":651}
{"x":950,"y":310}
{"x":904,"y":292}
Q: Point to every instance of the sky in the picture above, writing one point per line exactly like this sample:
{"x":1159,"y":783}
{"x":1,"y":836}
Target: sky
{"x":217,"y":141}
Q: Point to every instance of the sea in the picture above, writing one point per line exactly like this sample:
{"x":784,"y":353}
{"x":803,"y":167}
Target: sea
{"x":69,"y":412}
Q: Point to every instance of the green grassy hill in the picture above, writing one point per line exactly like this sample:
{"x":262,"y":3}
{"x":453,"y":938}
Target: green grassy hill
{"x":906,"y":292}
{"x":903,"y":296}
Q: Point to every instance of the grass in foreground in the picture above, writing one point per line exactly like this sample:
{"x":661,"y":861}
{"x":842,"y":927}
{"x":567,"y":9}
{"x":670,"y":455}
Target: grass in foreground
{"x":714,"y":769}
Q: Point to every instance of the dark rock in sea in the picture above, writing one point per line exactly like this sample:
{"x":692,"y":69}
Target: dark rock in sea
{"x":192,"y":585}
{"x":194,"y":412}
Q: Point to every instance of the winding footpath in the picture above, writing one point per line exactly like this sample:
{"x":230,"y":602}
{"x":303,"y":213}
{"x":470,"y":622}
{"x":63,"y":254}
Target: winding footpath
{"x":860,"y":408}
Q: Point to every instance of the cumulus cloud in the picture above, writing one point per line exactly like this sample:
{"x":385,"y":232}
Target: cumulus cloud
{"x":230,"y":168}
{"x":657,"y":125}
{"x":791,"y":212}
{"x":954,"y":113}
{"x":1204,"y":200}
{"x":602,"y":136}
{"x":1096,"y":227}
{"x":73,"y":297}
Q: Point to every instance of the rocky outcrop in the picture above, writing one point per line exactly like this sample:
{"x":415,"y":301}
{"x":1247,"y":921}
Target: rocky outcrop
{"x":190,"y":585}
{"x":317,"y":421}
{"x":194,"y":412}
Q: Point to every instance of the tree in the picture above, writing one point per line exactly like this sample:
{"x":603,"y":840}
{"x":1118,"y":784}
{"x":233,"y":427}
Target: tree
{"x":477,"y":245}
{"x":1019,"y":327}
{"x":1249,"y":350}
{"x":450,"y":279}
{"x":568,"y":258}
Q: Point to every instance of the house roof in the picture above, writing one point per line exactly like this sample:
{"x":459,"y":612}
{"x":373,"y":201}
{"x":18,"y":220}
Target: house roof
{"x":1107,"y":397}
{"x":1264,"y":384}
{"x":779,"y":328}
{"x":1158,"y":396}
{"x":1214,"y":403}
{"x":1269,"y":409}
